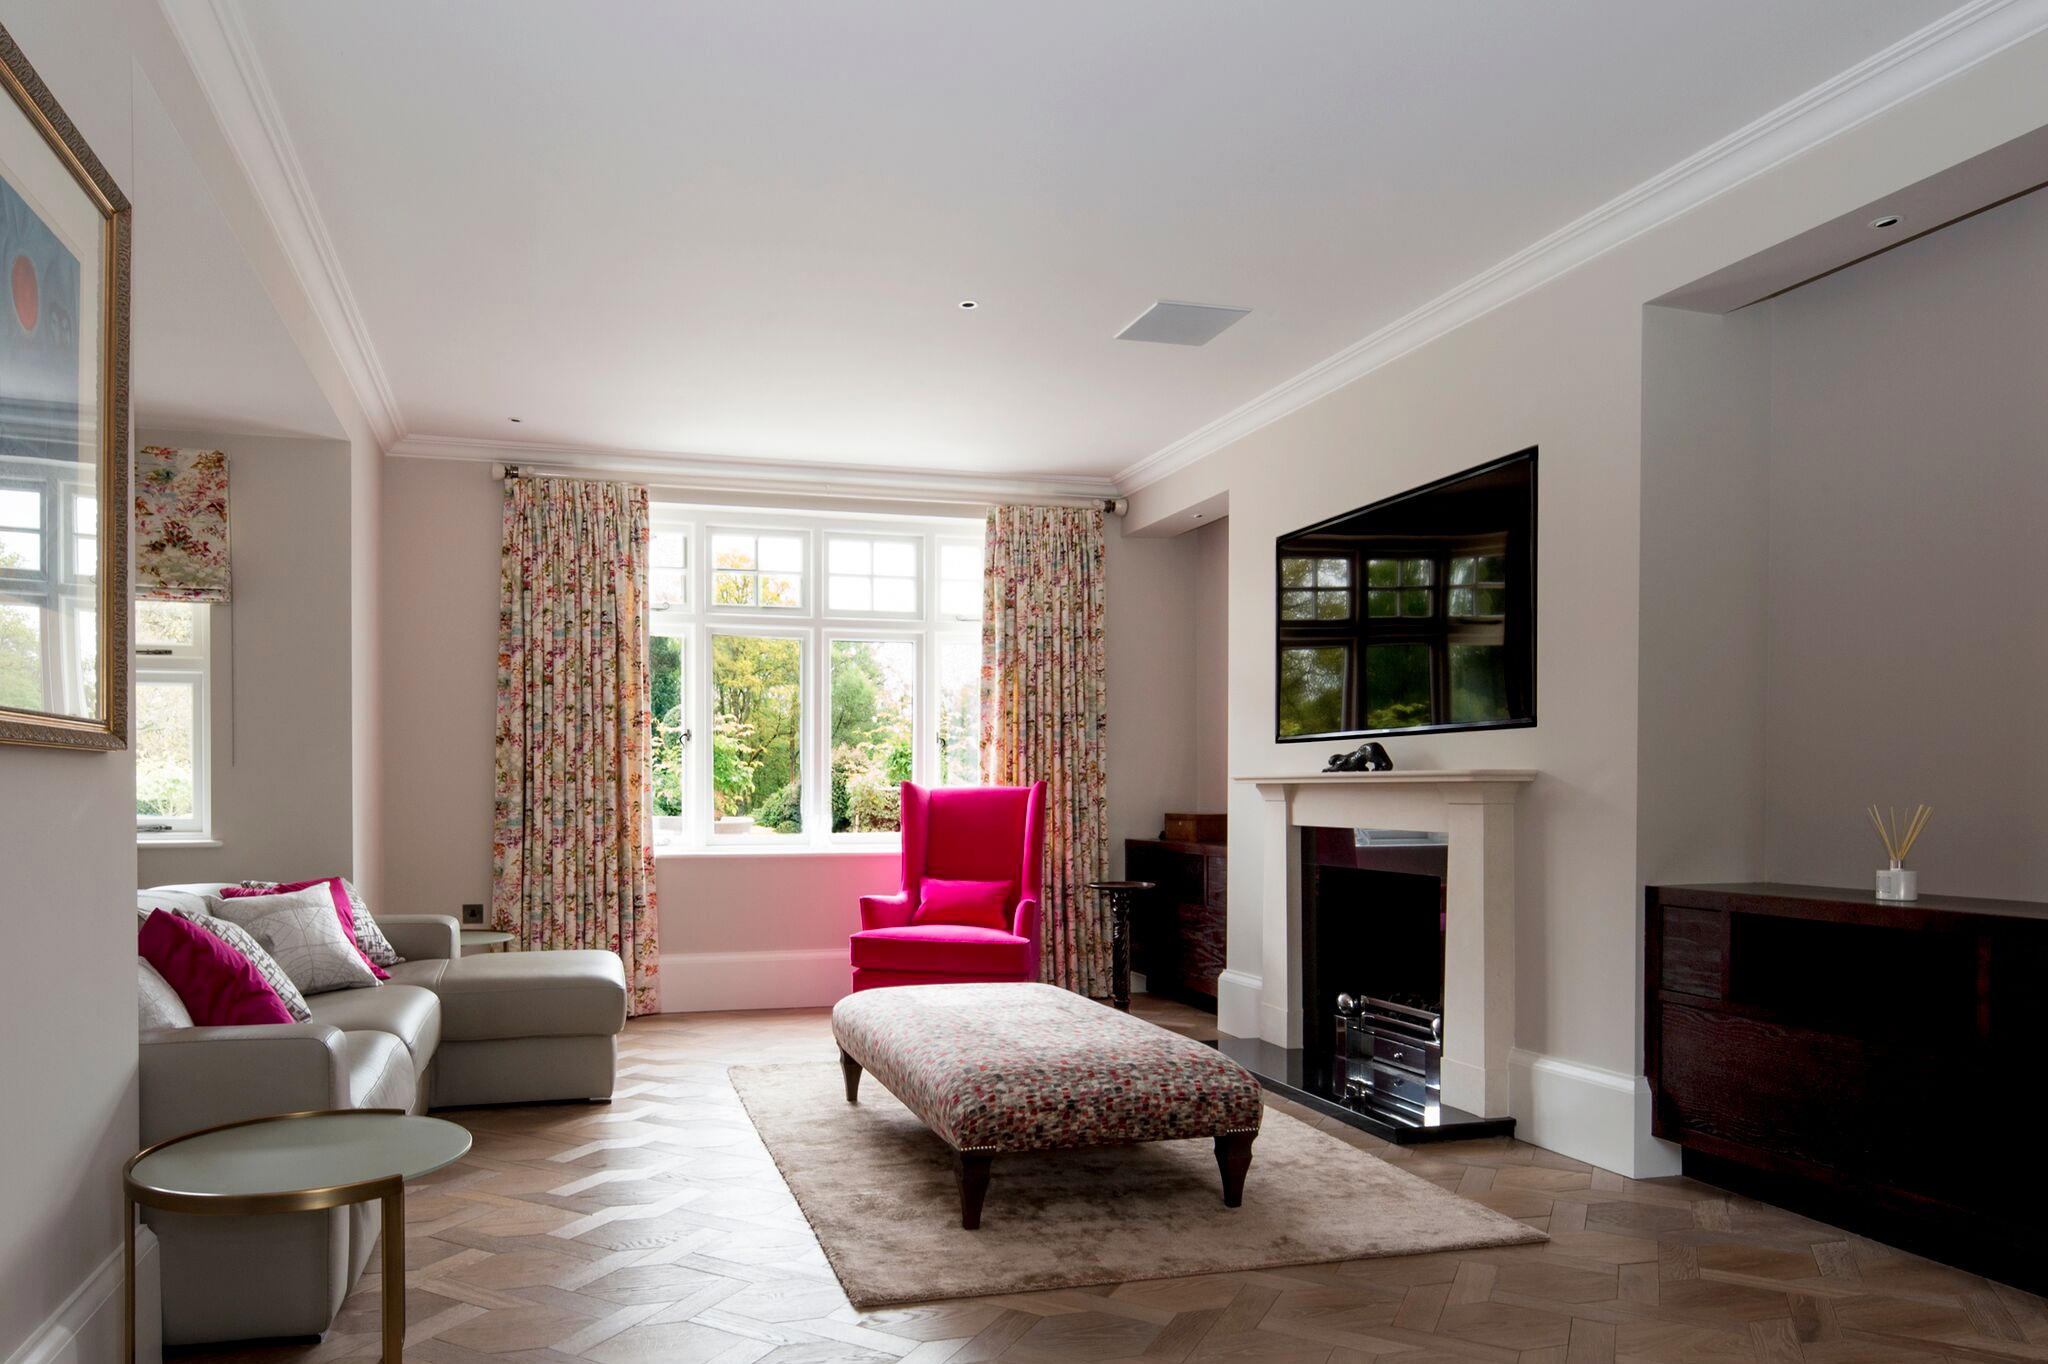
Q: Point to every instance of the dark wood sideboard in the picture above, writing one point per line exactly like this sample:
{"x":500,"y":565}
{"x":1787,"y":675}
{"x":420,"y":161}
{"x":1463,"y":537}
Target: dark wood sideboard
{"x":1177,"y":931}
{"x":1850,"y":1058}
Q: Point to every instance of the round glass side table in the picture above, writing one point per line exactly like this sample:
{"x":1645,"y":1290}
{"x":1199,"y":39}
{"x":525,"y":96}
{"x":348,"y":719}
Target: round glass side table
{"x":295,"y":1162}
{"x":1122,"y":895}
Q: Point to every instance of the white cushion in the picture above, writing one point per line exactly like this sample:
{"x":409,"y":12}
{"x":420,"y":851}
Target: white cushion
{"x":304,"y":933}
{"x":157,"y":1004}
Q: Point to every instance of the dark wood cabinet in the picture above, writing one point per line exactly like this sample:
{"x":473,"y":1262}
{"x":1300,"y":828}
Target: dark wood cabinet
{"x":1836,"y":1054}
{"x":1177,"y":931}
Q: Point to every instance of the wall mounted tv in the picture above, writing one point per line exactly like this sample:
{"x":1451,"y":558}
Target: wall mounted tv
{"x":1415,"y":615}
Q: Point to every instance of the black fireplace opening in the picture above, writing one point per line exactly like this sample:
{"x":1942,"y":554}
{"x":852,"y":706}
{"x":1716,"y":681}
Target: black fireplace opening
{"x":1373,"y":967}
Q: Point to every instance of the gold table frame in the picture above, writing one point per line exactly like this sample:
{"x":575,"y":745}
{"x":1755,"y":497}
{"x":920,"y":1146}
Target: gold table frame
{"x":389,"y":1189}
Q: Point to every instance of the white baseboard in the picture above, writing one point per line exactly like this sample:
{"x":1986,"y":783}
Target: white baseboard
{"x":87,"y":1328}
{"x":1237,"y":1003}
{"x":704,"y":982}
{"x":1599,"y":1116}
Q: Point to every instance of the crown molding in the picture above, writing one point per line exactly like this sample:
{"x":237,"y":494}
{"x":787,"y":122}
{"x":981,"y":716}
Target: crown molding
{"x":224,"y":58}
{"x":721,"y":473}
{"x":1914,"y":64}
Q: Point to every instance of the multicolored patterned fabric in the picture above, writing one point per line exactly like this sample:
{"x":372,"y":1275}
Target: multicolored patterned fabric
{"x":181,"y":524}
{"x":572,"y":850}
{"x":1044,"y":710}
{"x":1025,"y":1067}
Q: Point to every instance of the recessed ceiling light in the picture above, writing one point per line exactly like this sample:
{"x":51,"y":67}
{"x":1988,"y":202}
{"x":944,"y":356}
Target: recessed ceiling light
{"x":969,"y":304}
{"x":1888,"y":220}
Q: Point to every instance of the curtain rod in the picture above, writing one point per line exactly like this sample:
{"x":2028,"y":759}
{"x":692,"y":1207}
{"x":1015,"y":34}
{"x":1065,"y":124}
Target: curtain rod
{"x":1114,"y":506}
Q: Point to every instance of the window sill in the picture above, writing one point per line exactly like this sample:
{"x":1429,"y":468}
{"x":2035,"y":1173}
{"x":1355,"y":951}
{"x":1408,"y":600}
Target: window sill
{"x":680,"y":852}
{"x":176,"y":841}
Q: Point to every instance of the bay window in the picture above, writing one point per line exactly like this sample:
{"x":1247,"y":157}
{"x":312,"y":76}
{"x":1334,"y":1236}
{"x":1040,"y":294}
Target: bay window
{"x":804,"y":666}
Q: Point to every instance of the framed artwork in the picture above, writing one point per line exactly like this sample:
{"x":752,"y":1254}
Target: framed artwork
{"x":64,"y":250}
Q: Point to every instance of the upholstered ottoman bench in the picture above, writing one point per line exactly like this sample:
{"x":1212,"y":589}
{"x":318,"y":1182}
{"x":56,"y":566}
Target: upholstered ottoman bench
{"x":1018,"y":1067}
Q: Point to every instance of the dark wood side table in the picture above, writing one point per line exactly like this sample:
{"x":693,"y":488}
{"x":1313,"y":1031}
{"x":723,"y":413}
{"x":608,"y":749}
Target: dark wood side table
{"x":1121,"y":895}
{"x":294,"y":1162}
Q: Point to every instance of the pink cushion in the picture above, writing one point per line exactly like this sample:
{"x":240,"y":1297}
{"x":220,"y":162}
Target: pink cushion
{"x":344,"y":909}
{"x":958,"y":948}
{"x":978,"y":904}
{"x":217,"y":985}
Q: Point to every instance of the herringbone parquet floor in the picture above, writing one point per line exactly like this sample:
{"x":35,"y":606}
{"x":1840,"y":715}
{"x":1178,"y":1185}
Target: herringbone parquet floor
{"x":657,"y":1231}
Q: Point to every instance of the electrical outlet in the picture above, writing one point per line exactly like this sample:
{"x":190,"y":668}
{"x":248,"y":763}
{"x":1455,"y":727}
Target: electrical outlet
{"x":472,"y":914}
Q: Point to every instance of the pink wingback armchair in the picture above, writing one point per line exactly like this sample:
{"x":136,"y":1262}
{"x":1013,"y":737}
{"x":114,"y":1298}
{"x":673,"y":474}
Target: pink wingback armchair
{"x":967,"y":833}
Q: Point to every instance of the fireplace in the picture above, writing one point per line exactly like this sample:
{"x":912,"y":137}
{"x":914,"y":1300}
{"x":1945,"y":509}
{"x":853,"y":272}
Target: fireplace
{"x":1387,"y":916}
{"x":1373,"y":917}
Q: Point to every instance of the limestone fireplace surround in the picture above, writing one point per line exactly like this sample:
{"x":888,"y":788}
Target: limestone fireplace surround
{"x":1476,"y":810}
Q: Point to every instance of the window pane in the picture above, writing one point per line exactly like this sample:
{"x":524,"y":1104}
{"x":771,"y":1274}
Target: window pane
{"x":665,"y":711}
{"x":1415,"y":601}
{"x":1297,"y":572}
{"x":960,"y":598}
{"x":756,"y":741}
{"x":1396,"y":685}
{"x":21,"y":549}
{"x":1312,"y":690}
{"x":896,"y":594}
{"x":165,"y":726}
{"x":1298,"y":605}
{"x":1382,"y":603}
{"x":732,"y":589}
{"x":874,"y":692}
{"x":732,"y":551}
{"x":665,"y":588}
{"x":667,"y":549}
{"x":1479,"y":683}
{"x":1333,"y":605}
{"x":1416,"y":572}
{"x":895,"y":558}
{"x":782,"y":553}
{"x":1333,"y":573}
{"x":959,"y":713}
{"x":849,"y":556}
{"x":781,"y":590}
{"x":851,"y":594}
{"x":961,"y":562}
{"x":166,"y":622}
{"x":21,"y":656}
{"x":85,"y":550}
{"x":1383,"y":572}
{"x":21,"y":508}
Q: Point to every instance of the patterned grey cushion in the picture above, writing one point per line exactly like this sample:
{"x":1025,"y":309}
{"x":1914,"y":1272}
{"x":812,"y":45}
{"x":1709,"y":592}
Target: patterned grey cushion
{"x":156,"y":1004}
{"x":302,"y":931}
{"x":369,"y":937}
{"x":235,"y":936}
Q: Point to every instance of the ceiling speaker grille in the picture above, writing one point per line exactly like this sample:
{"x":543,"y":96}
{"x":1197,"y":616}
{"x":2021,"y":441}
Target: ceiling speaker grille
{"x":1181,"y":324}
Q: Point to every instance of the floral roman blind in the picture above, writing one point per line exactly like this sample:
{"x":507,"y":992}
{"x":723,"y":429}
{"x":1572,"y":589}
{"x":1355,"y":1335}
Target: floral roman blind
{"x":181,"y":524}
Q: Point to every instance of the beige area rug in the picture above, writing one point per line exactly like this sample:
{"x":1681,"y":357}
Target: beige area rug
{"x":880,"y":1192}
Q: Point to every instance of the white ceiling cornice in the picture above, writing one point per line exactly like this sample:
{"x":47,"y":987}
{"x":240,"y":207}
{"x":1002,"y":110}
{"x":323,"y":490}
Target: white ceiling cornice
{"x":1945,"y":48}
{"x":229,"y":71}
{"x":715,"y":473}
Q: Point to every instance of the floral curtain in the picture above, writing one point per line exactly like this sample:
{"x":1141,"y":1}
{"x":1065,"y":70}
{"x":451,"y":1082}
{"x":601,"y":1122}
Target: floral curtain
{"x":1044,"y":709}
{"x":181,"y":524}
{"x":571,"y":848}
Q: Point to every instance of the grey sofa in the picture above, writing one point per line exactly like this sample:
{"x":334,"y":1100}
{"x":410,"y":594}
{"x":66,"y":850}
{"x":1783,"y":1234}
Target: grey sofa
{"x":444,"y":1031}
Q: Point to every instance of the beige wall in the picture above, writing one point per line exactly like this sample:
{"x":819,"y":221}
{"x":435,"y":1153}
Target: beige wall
{"x":281,"y":714}
{"x":1907,"y":625}
{"x":1211,"y":612}
{"x":1561,"y":368}
{"x":737,"y":930}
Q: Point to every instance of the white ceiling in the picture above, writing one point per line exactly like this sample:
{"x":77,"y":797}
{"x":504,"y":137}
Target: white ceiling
{"x":743,"y":228}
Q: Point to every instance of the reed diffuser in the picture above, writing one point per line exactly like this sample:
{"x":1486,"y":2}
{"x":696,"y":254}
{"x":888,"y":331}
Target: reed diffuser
{"x":1895,"y":882}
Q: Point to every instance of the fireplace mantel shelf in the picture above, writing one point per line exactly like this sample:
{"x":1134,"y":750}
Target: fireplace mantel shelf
{"x":1414,"y":777}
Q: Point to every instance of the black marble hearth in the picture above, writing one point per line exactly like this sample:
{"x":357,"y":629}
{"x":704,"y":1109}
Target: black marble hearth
{"x":1291,"y":1073}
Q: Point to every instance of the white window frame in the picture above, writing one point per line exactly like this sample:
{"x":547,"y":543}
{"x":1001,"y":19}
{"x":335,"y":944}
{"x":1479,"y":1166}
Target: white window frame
{"x":701,"y":619}
{"x":807,"y":575}
{"x":183,"y":665}
{"x":920,"y":586}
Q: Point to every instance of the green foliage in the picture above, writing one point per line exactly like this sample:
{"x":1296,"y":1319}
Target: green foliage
{"x":757,"y":735}
{"x":783,"y":811}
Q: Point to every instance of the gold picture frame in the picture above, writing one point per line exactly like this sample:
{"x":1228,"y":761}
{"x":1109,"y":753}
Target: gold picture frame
{"x":64,"y":270}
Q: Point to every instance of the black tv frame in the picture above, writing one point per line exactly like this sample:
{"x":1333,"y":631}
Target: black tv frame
{"x":1527,"y":454}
